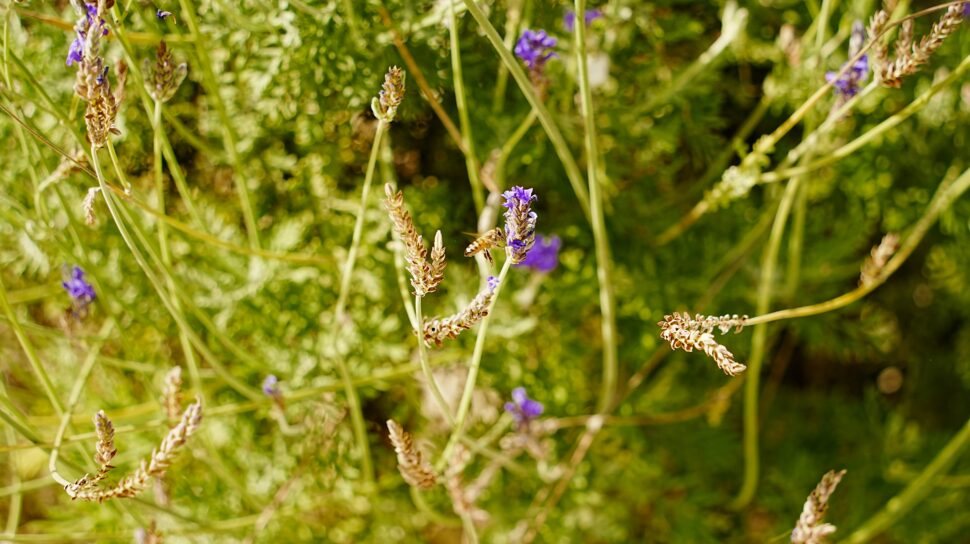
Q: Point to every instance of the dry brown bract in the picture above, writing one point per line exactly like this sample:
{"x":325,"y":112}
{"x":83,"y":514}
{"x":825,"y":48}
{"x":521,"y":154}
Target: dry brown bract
{"x":687,"y":333}
{"x":415,"y":470}
{"x":810,"y":529}
{"x":162,"y":457}
{"x":878,"y":257}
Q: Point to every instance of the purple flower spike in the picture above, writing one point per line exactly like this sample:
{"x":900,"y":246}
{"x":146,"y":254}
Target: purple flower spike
{"x":544,"y":255}
{"x":80,"y":291}
{"x":520,"y":222}
{"x":535,"y":48}
{"x":569,"y":20}
{"x":271,"y":386}
{"x":522,"y":408}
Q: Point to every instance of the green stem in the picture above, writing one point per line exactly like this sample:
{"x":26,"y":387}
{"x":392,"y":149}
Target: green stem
{"x":871,"y":134}
{"x":945,"y":195}
{"x":758,"y":344}
{"x":425,"y":367}
{"x":901,"y":504}
{"x":545,"y":118}
{"x":228,"y":132}
{"x":353,"y":399}
{"x":471,"y":160}
{"x":466,"y":396}
{"x":600,"y":237}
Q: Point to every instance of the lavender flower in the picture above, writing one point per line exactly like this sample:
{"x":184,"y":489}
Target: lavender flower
{"x":76,"y":52}
{"x":544,"y":256}
{"x":535,"y":48}
{"x":271,"y":386}
{"x":522,"y":408}
{"x":569,"y":20}
{"x":847,"y":85}
{"x":85,"y":23}
{"x":81,"y":291}
{"x":161,"y":15}
{"x":520,"y":223}
{"x":492,"y":283}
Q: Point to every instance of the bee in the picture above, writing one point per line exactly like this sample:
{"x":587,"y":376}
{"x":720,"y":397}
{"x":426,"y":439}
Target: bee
{"x":492,"y":239}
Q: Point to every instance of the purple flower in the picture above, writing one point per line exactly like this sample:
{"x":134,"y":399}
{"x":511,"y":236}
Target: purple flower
{"x":847,"y":85}
{"x":522,"y":408}
{"x":492,"y":283}
{"x":76,"y":52}
{"x":520,"y":222}
{"x":569,"y":20}
{"x":80,"y":291}
{"x":162,"y":15}
{"x":271,"y":386}
{"x":544,"y":255}
{"x":535,"y":48}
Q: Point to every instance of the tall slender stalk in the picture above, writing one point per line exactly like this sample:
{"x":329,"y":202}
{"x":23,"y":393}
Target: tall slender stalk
{"x":759,"y":340}
{"x":464,"y":405}
{"x":600,"y":237}
{"x":353,"y":399}
{"x":901,"y":504}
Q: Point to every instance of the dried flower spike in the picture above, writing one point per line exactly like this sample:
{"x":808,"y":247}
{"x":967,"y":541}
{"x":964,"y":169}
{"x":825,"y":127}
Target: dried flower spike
{"x":161,"y":458}
{"x":172,"y":393}
{"x":689,"y":334}
{"x":810,"y":529}
{"x":163,"y":77}
{"x":88,"y":205}
{"x":415,"y":470}
{"x":878,"y":258}
{"x":438,"y":329}
{"x":425,"y":276}
{"x":104,"y":449}
{"x":910,"y":56}
{"x":389,"y":99}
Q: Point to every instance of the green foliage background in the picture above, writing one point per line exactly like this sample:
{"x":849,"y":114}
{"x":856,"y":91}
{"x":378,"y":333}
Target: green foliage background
{"x":296,"y":79}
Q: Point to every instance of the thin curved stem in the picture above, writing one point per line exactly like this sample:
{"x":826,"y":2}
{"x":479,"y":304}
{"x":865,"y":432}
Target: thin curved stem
{"x":901,"y":504}
{"x":600,"y":237}
{"x":353,"y":399}
{"x":758,"y":344}
{"x":476,"y":362}
{"x":945,"y":195}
